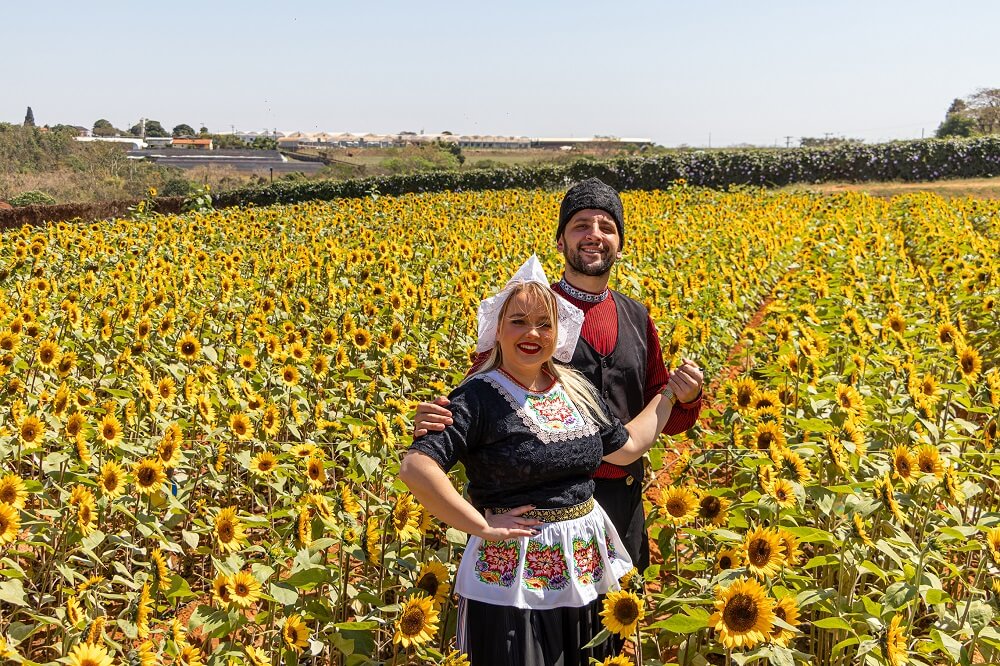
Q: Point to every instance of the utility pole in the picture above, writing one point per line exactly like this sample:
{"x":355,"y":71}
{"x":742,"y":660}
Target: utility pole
{"x":709,"y":139}
{"x":788,"y":142}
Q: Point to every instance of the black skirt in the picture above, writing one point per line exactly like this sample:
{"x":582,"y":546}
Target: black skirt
{"x":507,"y":636}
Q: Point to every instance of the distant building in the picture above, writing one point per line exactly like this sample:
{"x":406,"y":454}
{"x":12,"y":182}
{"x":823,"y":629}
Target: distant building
{"x":596,"y":142}
{"x":323,"y":140}
{"x":135,"y":142}
{"x":192,"y":144}
{"x":159,"y":141}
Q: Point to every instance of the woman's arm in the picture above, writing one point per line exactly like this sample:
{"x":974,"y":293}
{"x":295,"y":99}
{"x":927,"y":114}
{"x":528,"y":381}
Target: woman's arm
{"x":644,"y":429}
{"x":432,"y":488}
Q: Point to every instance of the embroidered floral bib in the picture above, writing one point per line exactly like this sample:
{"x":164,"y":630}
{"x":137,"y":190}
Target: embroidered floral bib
{"x":550,"y":415}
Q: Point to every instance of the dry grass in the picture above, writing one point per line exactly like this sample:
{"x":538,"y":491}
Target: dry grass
{"x":981,"y":188}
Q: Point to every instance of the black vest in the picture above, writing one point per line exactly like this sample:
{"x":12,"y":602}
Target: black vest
{"x":620,"y":377}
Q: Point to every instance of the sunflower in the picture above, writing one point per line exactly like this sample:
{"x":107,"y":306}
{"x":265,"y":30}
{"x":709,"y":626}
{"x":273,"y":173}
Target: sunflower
{"x":222,"y":590}
{"x":31,"y":430}
{"x":884,"y":493}
{"x":433,"y":579}
{"x":786,"y":610}
{"x":744,"y":615}
{"x":229,"y":530}
{"x":850,"y":432}
{"x":109,"y":430}
{"x":73,"y":613}
{"x":371,"y":542}
{"x":993,"y":542}
{"x":85,"y":514}
{"x":947,"y":334}
{"x":792,"y":463}
{"x":929,"y":460}
{"x":190,"y":656}
{"x":951,"y":486}
{"x":75,"y":425}
{"x":838,"y":456}
{"x":146,"y":654}
{"x":904,"y":465}
{"x":149,"y":476}
{"x":680,"y":505}
{"x":791,"y":545}
{"x":895,"y":322}
{"x":240,"y":425}
{"x":406,"y":518}
{"x":290,"y":375}
{"x":10,"y":523}
{"x":270,"y":422}
{"x":263,"y":463}
{"x":87,"y":654}
{"x":763,"y":552}
{"x":48,"y":354}
{"x":622,"y":612}
{"x":969,"y":363}
{"x":455,"y":658}
{"x":248,"y":362}
{"x":189,"y":348}
{"x":849,"y":400}
{"x":167,"y":388}
{"x":408,"y":363}
{"x":143,"y":611}
{"x":743,"y":393}
{"x":765,"y":477}
{"x":894,"y":643}
{"x":315,"y":471}
{"x":712,"y":509}
{"x":361,"y":339}
{"x":256,"y":656}
{"x":726,"y":559}
{"x":12,"y":491}
{"x":160,"y":569}
{"x":168,"y":450}
{"x":417,"y":623}
{"x":783,"y":493}
{"x":348,"y":501}
{"x":295,"y":633}
{"x":244,"y":589}
{"x":860,"y":531}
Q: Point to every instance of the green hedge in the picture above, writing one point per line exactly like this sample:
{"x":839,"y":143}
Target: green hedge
{"x":925,"y":160}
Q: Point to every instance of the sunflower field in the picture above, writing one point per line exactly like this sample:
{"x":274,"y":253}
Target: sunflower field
{"x":203,"y":417}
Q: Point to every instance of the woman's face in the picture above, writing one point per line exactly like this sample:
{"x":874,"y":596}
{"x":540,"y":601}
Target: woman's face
{"x":527,"y":334}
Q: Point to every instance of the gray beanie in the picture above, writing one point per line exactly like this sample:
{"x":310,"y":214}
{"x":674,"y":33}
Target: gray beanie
{"x":592,"y":193}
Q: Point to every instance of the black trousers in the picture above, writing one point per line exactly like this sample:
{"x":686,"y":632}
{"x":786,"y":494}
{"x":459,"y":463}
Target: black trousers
{"x":622,"y":501}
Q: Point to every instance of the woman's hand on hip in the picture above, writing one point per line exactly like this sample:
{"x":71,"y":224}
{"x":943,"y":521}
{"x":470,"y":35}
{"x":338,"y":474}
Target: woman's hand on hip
{"x":510,"y":525}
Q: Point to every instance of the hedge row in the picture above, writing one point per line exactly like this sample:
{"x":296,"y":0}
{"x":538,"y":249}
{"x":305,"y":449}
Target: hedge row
{"x":924,"y":160}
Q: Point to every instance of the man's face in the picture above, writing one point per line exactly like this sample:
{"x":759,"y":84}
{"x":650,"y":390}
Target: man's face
{"x":590,"y":242}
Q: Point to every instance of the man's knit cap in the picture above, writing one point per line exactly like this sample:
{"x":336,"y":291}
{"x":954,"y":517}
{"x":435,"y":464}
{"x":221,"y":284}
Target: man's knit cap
{"x":592,"y":193}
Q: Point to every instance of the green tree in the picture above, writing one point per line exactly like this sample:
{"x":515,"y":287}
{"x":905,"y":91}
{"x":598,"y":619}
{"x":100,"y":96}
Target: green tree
{"x":153,"y":128}
{"x":956,"y":124}
{"x":103,"y":127}
{"x":29,"y":118}
{"x":182,"y":130}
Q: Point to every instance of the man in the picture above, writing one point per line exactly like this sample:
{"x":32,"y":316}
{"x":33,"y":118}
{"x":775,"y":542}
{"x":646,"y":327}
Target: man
{"x":618,"y":351}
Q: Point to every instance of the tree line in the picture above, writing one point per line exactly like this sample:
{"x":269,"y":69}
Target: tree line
{"x":977,"y":114}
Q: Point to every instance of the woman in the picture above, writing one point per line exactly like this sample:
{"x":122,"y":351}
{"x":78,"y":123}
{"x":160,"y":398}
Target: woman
{"x":530,"y":434}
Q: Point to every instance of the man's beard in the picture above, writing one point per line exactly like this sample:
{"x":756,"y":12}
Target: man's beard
{"x":603,"y":267}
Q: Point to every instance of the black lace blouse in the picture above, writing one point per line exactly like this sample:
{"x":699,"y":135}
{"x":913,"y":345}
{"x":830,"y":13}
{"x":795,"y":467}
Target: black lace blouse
{"x":521,"y":447}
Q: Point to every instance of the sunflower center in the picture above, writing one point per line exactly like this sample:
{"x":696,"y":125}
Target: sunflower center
{"x":429,"y":583}
{"x":903,"y":466}
{"x":725,"y":562}
{"x":109,"y":432}
{"x":412,"y":622}
{"x":7,"y":495}
{"x":710,"y":506}
{"x":676,"y":507}
{"x":740,"y":614}
{"x":760,"y":552}
{"x":146,"y":476}
{"x":111,"y":481}
{"x":241,"y":589}
{"x":225,"y":531}
{"x":187,"y":348}
{"x":626,"y":611}
{"x":264,"y":465}
{"x":967,"y":363}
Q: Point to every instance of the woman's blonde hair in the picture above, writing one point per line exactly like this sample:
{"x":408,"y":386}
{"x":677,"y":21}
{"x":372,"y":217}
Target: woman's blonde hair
{"x":577,"y":387}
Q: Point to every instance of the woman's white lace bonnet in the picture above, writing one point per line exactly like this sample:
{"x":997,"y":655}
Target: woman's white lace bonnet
{"x":570,"y":316}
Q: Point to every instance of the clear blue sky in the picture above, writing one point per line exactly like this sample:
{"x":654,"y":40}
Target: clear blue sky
{"x":676,"y":72}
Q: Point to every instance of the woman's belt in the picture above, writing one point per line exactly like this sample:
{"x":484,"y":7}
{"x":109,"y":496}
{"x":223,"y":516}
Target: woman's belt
{"x":555,"y":515}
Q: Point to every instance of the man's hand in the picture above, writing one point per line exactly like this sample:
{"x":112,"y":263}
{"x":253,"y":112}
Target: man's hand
{"x":686,"y":381}
{"x":510,"y":525}
{"x":431,"y":416}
